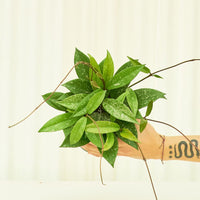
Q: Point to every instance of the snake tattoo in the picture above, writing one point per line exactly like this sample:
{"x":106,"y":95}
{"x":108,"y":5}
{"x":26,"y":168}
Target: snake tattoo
{"x":187,"y":153}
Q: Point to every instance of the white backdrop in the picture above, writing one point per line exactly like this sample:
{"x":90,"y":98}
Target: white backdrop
{"x":37,"y":43}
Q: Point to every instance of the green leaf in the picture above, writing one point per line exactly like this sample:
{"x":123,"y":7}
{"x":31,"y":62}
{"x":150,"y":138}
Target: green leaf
{"x":124,"y":77}
{"x":126,"y":133}
{"x":59,"y":122}
{"x":94,"y":85}
{"x":104,"y":127}
{"x":122,"y":97}
{"x":149,"y":108}
{"x":65,"y":95}
{"x":111,"y":154}
{"x":72,"y":102}
{"x":146,"y":70}
{"x":132,"y":100}
{"x":109,"y":141}
{"x":95,"y":101}
{"x":145,"y":95}
{"x":94,"y":77}
{"x":100,"y":116}
{"x":95,"y":139}
{"x":101,"y":65}
{"x":52,"y":101}
{"x":83,"y":141}
{"x":128,"y":125}
{"x":117,"y":92}
{"x":143,"y":124}
{"x":139,"y":115}
{"x":77,"y":86}
{"x":124,"y":66}
{"x":67,"y":131}
{"x":81,"y":69}
{"x":118,"y":110}
{"x":157,"y":76}
{"x":78,"y":130}
{"x":132,"y":128}
{"x":94,"y":63}
{"x":127,"y":141}
{"x":108,"y":68}
{"x":82,"y":109}
{"x":136,"y":62}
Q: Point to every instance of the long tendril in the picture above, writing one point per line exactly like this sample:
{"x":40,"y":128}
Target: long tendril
{"x":161,"y":122}
{"x":78,"y":63}
{"x":164,"y":69}
{"x":102,"y":151}
{"x":148,"y":170}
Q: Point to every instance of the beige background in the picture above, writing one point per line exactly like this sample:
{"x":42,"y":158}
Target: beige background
{"x":37,"y":43}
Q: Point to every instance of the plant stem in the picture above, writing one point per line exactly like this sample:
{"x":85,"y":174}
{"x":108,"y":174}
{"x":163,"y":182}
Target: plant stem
{"x":100,"y":165}
{"x":161,"y":122}
{"x":148,"y":172}
{"x":151,"y":74}
{"x":78,"y":63}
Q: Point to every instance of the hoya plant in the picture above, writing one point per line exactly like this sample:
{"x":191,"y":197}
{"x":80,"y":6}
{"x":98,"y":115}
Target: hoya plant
{"x":100,"y":106}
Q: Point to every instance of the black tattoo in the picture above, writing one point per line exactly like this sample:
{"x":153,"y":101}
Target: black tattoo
{"x":188,"y":150}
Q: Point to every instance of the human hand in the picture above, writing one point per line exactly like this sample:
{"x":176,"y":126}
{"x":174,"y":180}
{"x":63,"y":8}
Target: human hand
{"x":150,"y":144}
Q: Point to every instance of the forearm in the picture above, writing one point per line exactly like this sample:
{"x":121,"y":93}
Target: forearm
{"x":178,"y":148}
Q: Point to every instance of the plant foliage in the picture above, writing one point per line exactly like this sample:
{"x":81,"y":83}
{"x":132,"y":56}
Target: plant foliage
{"x":99,"y":105}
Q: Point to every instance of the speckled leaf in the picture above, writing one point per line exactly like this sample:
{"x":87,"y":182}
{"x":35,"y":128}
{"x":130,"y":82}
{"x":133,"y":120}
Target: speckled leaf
{"x":127,"y":125}
{"x":94,"y":85}
{"x":104,"y":127}
{"x":132,"y":128}
{"x":145,"y":95}
{"x":118,"y":110}
{"x":95,"y":101}
{"x":117,"y":92}
{"x":129,"y":142}
{"x":100,"y":116}
{"x":77,"y":86}
{"x":92,"y":75}
{"x":110,"y":139}
{"x":137,"y":63}
{"x":95,"y":139}
{"x":149,"y":109}
{"x":108,"y":68}
{"x":101,"y":65}
{"x":72,"y":102}
{"x":52,"y":101}
{"x":143,"y":124}
{"x":122,"y":97}
{"x":111,"y":154}
{"x":83,"y":141}
{"x":78,"y":130}
{"x":82,"y":109}
{"x":132,"y":101}
{"x":65,"y":95}
{"x":67,"y":131}
{"x":124,"y":77}
{"x":94,"y":63}
{"x":126,"y":133}
{"x":58,"y":123}
{"x":124,"y":66}
{"x":81,"y":70}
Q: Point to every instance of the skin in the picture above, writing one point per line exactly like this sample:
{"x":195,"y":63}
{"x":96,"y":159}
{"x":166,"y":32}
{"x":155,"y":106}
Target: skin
{"x":151,"y":144}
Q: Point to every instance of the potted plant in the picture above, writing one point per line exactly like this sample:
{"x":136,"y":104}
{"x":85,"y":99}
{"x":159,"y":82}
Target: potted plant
{"x":101,"y":106}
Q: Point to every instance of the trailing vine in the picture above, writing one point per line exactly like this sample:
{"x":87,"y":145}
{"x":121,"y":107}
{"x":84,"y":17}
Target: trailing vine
{"x":101,"y":107}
